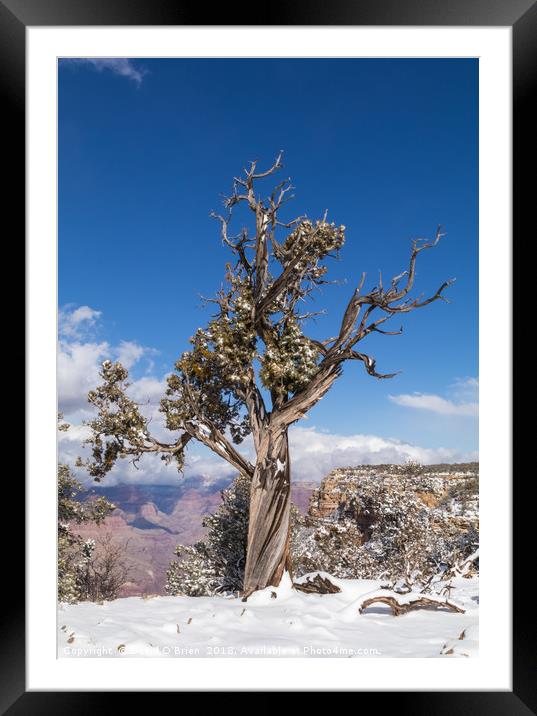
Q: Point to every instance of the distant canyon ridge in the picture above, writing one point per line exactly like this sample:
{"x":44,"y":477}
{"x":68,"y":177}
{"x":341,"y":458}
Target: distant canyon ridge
{"x":150,"y":520}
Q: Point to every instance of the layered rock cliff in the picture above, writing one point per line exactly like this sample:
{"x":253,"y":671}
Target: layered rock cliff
{"x":432,"y":484}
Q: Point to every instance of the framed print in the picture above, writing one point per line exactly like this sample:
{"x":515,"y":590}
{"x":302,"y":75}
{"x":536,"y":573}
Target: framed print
{"x":267,"y":263}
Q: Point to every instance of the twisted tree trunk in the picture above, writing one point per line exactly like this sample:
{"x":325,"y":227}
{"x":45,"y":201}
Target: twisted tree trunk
{"x":267,"y":554}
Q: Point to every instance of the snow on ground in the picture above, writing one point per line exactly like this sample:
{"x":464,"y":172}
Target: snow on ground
{"x":290,"y":624}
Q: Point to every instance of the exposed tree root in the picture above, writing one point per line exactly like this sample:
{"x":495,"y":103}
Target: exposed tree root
{"x":402,"y":606}
{"x":317,"y":585}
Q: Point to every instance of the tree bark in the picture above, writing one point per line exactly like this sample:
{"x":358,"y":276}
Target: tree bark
{"x":267,"y":554}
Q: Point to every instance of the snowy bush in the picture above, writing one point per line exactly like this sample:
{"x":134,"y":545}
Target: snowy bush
{"x":383,"y":528}
{"x":216,"y":563}
{"x":411,"y":468}
{"x":77,"y":560}
{"x":102,"y":569}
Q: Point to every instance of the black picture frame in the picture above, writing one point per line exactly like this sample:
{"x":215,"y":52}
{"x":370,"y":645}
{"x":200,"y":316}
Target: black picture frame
{"x":521,"y":15}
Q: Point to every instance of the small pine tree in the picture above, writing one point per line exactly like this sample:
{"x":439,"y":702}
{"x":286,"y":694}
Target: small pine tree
{"x":216,"y":563}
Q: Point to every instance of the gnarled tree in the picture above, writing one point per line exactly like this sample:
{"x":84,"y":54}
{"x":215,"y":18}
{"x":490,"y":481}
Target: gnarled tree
{"x":255,"y":348}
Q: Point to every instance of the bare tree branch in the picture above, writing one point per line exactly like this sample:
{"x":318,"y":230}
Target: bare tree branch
{"x":370,"y":365}
{"x":387,"y":301}
{"x":210,"y":436}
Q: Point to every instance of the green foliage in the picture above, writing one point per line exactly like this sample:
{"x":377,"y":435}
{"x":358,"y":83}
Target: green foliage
{"x":290,"y":359}
{"x":311,"y":243}
{"x":73,"y":551}
{"x":62,"y":426}
{"x":207,"y":379}
{"x":71,"y":509}
{"x":119,"y":429}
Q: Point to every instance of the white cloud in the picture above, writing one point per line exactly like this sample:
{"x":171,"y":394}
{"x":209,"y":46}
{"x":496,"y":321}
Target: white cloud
{"x":80,"y":358}
{"x":129,"y":353}
{"x":465,"y":389}
{"x":314,"y":453}
{"x":78,"y":372}
{"x":464,"y":394}
{"x":118,"y":65}
{"x":435,"y":404}
{"x":79,"y":365}
{"x":148,"y":389}
{"x":74,"y":323}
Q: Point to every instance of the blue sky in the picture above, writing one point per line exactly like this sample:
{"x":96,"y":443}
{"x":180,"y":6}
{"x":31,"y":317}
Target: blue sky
{"x":389,"y":147}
